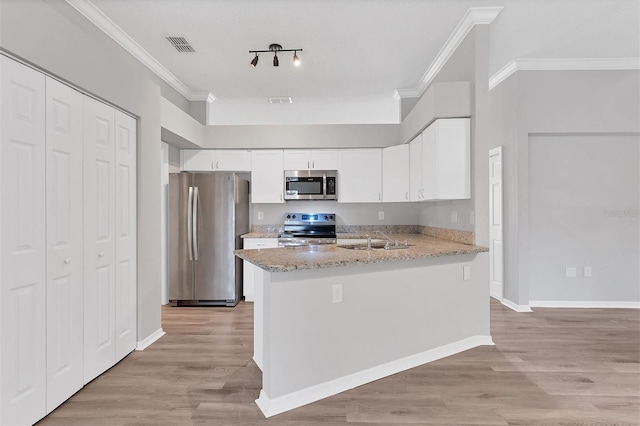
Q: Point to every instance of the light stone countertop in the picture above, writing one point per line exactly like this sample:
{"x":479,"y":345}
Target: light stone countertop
{"x":330,"y":255}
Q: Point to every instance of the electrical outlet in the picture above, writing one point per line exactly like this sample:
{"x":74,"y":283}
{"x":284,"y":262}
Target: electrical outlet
{"x":466,"y":273}
{"x":336,"y":293}
{"x":454,"y":216}
{"x":570,"y":272}
{"x":260,"y":215}
{"x":587,"y":271}
{"x":380,"y":215}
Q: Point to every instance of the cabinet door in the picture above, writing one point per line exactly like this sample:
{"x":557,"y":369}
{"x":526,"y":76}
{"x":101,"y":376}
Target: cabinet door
{"x":430,"y":163}
{"x":395,"y":173}
{"x":125,"y":235}
{"x":249,"y":269}
{"x":233,"y":160}
{"x":360,"y":176}
{"x":99,"y":241}
{"x":64,"y":243}
{"x":415,"y":169}
{"x":296,"y":159}
{"x":324,"y":159}
{"x":454,"y":159}
{"x":198,"y":160}
{"x":22,"y":244}
{"x":267,"y":177}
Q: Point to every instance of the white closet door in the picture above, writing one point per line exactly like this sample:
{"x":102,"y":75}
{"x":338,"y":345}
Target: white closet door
{"x":99,"y":238}
{"x":64,"y":243}
{"x":125,"y":204}
{"x":22,"y":239}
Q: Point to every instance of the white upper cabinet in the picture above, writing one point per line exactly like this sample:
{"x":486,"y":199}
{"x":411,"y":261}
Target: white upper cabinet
{"x":267,"y":176}
{"x":415,"y":169}
{"x":360,"y":175}
{"x":207,"y":160}
{"x":441,"y":161}
{"x":302,"y":159}
{"x":395,"y":173}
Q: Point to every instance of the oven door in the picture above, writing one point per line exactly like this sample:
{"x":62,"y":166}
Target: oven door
{"x":304,"y":185}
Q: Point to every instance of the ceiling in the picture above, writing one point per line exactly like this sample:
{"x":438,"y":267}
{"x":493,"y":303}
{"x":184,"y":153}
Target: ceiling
{"x":356,"y":53}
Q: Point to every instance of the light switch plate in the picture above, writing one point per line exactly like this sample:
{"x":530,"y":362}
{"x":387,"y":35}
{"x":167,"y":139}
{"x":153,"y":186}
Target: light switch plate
{"x":380,"y":215}
{"x":570,"y":272}
{"x":454,"y":216}
{"x":336,"y":293}
{"x":587,"y":271}
{"x":260,"y":215}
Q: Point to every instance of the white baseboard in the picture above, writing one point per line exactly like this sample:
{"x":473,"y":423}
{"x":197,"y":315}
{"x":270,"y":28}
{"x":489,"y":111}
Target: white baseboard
{"x":583,"y":304}
{"x":272,"y":406}
{"x":495,"y":291}
{"x":518,"y":308}
{"x":144,"y":344}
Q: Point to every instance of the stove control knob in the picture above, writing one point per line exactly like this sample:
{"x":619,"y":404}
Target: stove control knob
{"x":288,"y":216}
{"x":332,"y":217}
{"x":326,"y":218}
{"x":294,"y":216}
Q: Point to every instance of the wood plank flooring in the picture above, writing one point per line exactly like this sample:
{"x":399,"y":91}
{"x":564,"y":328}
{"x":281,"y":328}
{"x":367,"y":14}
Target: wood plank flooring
{"x":565,"y":367}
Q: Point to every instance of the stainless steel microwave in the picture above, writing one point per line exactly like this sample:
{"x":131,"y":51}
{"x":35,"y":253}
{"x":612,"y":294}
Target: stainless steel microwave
{"x":310,"y":185}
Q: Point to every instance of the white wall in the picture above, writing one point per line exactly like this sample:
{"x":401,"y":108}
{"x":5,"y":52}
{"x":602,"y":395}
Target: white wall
{"x":583,"y":211}
{"x":554,"y":103}
{"x":346,"y":214}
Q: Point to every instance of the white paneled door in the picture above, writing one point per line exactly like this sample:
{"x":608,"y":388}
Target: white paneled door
{"x":99,"y":238}
{"x":496,"y":251}
{"x":64,"y":121}
{"x":125,"y":209}
{"x":22,"y":239}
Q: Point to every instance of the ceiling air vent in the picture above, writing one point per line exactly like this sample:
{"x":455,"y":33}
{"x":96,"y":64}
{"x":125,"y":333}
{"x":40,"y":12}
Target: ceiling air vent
{"x":280,"y":100}
{"x":181,"y":44}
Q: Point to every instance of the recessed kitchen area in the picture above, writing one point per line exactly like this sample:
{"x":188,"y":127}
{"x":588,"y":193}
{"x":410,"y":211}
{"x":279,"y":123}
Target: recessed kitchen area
{"x":312,"y":213}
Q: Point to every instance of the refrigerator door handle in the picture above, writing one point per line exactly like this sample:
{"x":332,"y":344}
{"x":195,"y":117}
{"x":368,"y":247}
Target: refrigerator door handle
{"x":196,"y":200}
{"x":190,"y":223}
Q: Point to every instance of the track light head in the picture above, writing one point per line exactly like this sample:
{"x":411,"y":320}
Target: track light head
{"x":296,"y":60}
{"x":276,"y":62}
{"x":254,"y":61}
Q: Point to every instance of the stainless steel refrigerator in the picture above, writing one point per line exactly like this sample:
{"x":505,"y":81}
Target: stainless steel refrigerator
{"x":208,"y":212}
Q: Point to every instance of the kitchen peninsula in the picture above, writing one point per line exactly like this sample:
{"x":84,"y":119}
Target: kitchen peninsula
{"x":329,"y":318}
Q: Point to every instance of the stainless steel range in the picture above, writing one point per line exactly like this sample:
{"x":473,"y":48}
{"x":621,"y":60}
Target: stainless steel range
{"x":306,"y":229}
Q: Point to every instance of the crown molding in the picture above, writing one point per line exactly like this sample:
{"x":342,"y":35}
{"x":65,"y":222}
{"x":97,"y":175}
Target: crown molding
{"x":473,"y":17}
{"x":564,"y":64}
{"x":202,"y":96}
{"x":102,"y":21}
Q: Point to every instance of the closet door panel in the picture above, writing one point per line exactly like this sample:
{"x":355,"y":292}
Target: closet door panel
{"x":64,"y":122}
{"x":99,"y":238}
{"x":22,"y":244}
{"x":125,"y":203}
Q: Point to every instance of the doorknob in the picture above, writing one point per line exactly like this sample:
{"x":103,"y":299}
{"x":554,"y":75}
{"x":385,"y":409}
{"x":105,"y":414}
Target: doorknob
{"x":67,"y":260}
{"x":101,"y":254}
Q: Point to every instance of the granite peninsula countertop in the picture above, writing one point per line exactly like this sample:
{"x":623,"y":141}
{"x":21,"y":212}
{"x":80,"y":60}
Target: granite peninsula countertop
{"x":330,"y":255}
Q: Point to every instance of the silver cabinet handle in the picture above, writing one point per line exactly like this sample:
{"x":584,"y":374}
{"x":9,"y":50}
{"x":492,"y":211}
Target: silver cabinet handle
{"x":196,"y":200}
{"x":67,"y":260}
{"x":217,"y":165}
{"x":313,"y":164}
{"x":406,"y":195}
{"x":190,"y":223}
{"x":213,"y":165}
{"x":308,"y":166}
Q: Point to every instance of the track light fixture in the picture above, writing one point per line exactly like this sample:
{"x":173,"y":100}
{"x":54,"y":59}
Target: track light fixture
{"x":275,"y":48}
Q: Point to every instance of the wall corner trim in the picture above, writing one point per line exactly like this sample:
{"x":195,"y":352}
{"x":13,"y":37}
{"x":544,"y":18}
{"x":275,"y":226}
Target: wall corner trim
{"x":272,"y":406}
{"x":149,"y":340}
{"x":474,"y":16}
{"x":515,"y":307}
{"x":563,"y":64}
{"x":106,"y":25}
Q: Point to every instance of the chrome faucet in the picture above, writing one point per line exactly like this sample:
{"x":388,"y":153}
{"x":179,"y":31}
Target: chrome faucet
{"x":392,"y":244}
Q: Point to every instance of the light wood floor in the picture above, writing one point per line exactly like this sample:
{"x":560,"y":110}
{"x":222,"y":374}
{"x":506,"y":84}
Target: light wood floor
{"x":564,"y":367}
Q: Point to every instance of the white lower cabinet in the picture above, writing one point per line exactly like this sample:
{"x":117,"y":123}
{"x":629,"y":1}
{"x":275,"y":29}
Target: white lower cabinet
{"x":249,"y":269}
{"x":68,"y":241}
